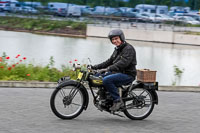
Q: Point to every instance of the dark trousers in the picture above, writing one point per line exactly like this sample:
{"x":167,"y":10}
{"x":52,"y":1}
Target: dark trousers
{"x":112,"y":80}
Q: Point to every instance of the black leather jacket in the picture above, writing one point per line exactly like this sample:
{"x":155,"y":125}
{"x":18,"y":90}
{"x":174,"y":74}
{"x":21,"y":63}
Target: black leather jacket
{"x":122,"y":60}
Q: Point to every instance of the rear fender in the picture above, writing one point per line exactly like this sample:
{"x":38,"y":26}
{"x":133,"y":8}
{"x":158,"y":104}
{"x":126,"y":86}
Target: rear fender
{"x":155,"y":96}
{"x":152,"y":87}
{"x":79,"y":86}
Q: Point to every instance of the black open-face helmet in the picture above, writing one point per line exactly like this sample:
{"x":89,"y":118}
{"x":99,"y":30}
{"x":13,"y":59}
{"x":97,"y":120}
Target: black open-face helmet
{"x":116,"y":32}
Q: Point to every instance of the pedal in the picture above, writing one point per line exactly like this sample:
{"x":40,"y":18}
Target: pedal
{"x":99,"y":108}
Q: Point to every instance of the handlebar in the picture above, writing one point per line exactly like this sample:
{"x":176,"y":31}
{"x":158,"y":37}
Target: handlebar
{"x":89,"y":62}
{"x":78,"y":66}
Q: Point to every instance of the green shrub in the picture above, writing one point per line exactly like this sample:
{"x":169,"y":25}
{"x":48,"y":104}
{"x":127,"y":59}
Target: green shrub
{"x":39,"y":24}
{"x":78,"y":26}
{"x":21,"y":71}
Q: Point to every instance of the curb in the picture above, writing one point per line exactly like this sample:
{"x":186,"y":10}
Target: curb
{"x":59,"y":34}
{"x":28,"y":84}
{"x":36,"y":84}
{"x":180,"y":88}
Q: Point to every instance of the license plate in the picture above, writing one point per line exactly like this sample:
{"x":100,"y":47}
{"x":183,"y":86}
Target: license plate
{"x":80,"y":75}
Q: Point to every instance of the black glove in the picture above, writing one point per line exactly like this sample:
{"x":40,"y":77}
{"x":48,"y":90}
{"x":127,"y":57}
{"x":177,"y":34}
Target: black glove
{"x":94,"y":67}
{"x":89,"y":66}
{"x":102,"y":70}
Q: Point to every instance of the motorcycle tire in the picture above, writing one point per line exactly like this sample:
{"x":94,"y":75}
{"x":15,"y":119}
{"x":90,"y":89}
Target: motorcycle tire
{"x":141,"y":106}
{"x":67,"y":101}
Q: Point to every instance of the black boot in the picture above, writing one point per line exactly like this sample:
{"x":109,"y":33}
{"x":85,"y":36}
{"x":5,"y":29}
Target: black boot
{"x":116,"y":105}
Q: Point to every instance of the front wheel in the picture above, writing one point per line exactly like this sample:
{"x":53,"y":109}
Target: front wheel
{"x":141,"y":104}
{"x":67,"y":101}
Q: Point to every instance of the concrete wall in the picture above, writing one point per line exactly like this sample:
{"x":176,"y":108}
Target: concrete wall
{"x":187,"y":39}
{"x":146,"y":35}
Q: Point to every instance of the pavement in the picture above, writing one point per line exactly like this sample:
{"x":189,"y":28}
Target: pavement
{"x":27,"y":110}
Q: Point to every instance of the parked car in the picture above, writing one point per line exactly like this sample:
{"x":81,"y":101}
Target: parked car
{"x":163,"y":17}
{"x":73,"y":11}
{"x":146,"y":8}
{"x":4,"y":6}
{"x":155,"y":18}
{"x":27,"y":9}
{"x":58,"y":12}
{"x":98,"y":10}
{"x":187,"y":20}
{"x":179,"y":9}
{"x":195,"y":16}
{"x":53,"y":5}
{"x":15,"y":6}
{"x":86,"y":11}
{"x":128,"y":9}
{"x":58,"y":8}
{"x":148,"y":17}
{"x":109,"y":10}
{"x":177,"y":15}
{"x":33,"y":4}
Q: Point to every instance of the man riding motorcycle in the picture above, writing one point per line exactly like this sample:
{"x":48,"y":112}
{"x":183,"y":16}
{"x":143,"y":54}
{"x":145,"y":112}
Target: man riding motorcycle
{"x":120,"y":68}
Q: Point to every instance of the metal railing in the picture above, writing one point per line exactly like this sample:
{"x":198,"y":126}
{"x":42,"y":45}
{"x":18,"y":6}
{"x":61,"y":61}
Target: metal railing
{"x":117,"y":22}
{"x":121,"y":22}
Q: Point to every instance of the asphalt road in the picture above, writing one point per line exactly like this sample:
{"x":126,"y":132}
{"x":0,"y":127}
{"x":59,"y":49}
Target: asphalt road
{"x":27,"y":110}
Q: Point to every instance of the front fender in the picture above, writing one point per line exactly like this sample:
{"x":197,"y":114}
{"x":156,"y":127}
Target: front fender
{"x":79,"y":86}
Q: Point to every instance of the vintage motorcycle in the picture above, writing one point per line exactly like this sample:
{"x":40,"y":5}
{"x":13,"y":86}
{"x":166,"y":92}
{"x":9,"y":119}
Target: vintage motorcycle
{"x":71,"y":97}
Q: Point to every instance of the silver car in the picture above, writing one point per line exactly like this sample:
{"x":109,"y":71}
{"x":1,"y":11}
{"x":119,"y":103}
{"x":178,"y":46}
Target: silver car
{"x":188,"y":20}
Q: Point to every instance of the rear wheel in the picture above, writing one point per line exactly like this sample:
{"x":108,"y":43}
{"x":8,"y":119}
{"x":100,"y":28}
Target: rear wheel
{"x":67,"y":102}
{"x":141,"y":105}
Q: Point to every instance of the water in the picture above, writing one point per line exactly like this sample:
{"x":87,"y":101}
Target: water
{"x":156,"y":56}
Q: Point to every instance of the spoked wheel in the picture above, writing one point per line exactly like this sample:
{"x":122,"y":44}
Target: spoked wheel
{"x":67,"y":102}
{"x":141,"y":104}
